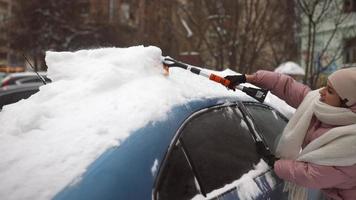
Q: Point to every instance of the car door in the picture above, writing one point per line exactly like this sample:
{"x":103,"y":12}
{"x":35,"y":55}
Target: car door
{"x":269,"y":124}
{"x":211,"y":158}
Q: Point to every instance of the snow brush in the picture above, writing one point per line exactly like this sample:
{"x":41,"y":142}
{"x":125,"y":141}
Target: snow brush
{"x":256,"y":93}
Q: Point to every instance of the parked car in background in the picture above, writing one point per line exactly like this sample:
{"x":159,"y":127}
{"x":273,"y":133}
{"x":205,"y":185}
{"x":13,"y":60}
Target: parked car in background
{"x":32,"y":79}
{"x":13,"y":93}
{"x":202,"y":150}
{"x":12,"y":79}
{"x":2,"y":75}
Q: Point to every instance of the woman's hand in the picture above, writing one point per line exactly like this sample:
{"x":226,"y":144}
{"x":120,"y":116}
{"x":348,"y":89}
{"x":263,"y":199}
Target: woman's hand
{"x":235,"y":80}
{"x":238,"y":79}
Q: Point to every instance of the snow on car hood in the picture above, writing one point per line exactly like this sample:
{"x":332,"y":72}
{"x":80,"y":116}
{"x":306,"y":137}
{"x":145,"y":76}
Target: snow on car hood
{"x":96,"y":99}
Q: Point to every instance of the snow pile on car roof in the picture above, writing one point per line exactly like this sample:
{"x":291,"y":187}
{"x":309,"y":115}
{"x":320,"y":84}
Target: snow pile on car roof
{"x":96,"y":99}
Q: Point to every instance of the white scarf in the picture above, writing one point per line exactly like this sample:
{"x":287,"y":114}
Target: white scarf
{"x":336,"y":147}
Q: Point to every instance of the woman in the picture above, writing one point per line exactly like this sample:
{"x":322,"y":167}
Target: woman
{"x":318,"y":146}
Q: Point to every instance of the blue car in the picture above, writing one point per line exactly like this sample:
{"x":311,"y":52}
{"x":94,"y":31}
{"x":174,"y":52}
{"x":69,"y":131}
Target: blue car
{"x":204,"y":149}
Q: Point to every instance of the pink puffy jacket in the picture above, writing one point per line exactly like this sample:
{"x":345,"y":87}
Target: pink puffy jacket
{"x":335,"y":182}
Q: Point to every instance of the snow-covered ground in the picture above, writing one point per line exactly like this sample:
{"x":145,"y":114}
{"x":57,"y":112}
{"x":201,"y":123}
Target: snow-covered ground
{"x":97,"y":98}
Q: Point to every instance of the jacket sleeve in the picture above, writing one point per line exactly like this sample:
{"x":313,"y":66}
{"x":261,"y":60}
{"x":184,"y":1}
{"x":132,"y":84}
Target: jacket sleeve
{"x":283,"y":86}
{"x":308,"y":174}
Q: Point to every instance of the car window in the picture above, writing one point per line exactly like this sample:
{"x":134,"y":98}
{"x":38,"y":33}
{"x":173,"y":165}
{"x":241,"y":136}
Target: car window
{"x":178,"y":180}
{"x":269,"y":122}
{"x":220,"y":147}
{"x":32,"y":80}
{"x":14,"y":79}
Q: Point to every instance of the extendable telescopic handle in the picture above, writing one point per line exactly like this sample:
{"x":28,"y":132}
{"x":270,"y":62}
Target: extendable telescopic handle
{"x":256,"y":93}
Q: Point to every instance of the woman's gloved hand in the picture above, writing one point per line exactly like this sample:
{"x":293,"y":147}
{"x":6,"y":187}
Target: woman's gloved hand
{"x":235,"y":80}
{"x":266,"y":154}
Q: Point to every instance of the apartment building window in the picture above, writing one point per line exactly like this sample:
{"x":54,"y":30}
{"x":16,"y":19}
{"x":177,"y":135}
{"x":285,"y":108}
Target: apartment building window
{"x":349,"y":5}
{"x":125,"y":12}
{"x":84,"y":8}
{"x":2,"y":17}
{"x":3,"y":5}
{"x":112,"y":10}
{"x":3,"y":55}
{"x":3,"y":41}
{"x":350,"y":51}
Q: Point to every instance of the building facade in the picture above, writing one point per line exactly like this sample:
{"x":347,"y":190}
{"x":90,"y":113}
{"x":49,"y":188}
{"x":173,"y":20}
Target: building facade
{"x":10,"y":60}
{"x":5,"y":13}
{"x":113,"y":11}
{"x":335,"y":37}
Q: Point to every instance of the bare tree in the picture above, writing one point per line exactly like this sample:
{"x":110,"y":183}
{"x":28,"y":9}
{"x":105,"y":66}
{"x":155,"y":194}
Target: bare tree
{"x":285,"y":45}
{"x":38,"y":25}
{"x":156,"y":25}
{"x":237,"y":33}
{"x":61,"y":25}
{"x":315,"y":14}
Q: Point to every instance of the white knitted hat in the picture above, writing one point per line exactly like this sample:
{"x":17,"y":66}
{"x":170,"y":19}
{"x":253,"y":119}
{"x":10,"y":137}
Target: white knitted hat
{"x":344,"y":83}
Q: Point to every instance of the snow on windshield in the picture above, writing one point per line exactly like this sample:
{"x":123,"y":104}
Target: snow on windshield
{"x":96,"y":99}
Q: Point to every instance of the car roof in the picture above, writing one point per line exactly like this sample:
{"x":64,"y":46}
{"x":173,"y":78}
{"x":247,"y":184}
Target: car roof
{"x":135,"y":159}
{"x":18,"y":74}
{"x":22,"y":87}
{"x":12,"y":78}
{"x":32,"y":79}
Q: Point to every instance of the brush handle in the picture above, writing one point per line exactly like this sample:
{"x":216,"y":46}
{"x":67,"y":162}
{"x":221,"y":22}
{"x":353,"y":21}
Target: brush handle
{"x":258,"y":94}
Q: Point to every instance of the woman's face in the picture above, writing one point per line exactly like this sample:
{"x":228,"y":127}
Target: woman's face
{"x":329,"y":96}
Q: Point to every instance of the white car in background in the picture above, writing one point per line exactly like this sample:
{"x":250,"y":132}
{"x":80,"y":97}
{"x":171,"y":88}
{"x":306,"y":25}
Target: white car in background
{"x":22,"y":78}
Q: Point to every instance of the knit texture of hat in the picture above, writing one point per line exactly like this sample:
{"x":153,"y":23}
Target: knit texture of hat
{"x":344,"y":83}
